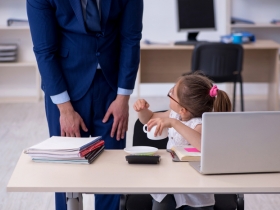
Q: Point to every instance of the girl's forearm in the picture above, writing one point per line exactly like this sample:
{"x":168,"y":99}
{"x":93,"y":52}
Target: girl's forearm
{"x":145,"y":115}
{"x":191,"y":135}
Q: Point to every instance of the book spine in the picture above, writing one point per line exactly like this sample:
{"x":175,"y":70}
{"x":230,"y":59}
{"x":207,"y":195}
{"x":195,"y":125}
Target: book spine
{"x":93,"y":147}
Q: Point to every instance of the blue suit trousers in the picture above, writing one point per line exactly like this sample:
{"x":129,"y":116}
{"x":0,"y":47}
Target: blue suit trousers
{"x":92,"y":108}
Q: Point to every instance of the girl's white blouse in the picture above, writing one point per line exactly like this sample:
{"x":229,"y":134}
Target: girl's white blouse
{"x":176,"y":138}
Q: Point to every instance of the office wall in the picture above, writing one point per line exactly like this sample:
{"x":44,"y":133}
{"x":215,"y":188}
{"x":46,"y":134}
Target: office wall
{"x":159,"y":22}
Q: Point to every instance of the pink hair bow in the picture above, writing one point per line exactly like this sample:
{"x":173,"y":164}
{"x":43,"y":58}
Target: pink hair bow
{"x":213,"y":91}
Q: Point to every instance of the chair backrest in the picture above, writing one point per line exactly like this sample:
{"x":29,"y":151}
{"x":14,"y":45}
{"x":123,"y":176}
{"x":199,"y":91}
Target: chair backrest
{"x":140,"y":138}
{"x":219,"y":61}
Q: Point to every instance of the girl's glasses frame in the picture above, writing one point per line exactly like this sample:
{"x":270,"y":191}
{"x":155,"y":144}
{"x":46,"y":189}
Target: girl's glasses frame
{"x":169,"y":95}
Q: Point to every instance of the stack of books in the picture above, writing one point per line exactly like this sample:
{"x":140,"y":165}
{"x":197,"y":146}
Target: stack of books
{"x":275,"y":21}
{"x":67,"y":150}
{"x":8,"y":52}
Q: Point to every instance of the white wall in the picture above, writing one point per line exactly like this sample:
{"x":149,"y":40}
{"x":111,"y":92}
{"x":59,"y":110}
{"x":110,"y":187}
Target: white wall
{"x":12,"y":9}
{"x":159,"y":22}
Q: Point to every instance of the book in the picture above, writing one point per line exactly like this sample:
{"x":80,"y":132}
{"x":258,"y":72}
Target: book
{"x":241,"y":20}
{"x":59,"y":149}
{"x":87,"y":150}
{"x":184,"y":153}
{"x":88,"y":159}
{"x":275,"y":21}
{"x":8,"y":47}
{"x":62,"y":145}
{"x":7,"y":54}
{"x":6,"y":59}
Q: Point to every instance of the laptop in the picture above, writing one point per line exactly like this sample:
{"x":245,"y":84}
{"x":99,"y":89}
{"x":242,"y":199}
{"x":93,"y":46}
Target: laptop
{"x":239,"y":142}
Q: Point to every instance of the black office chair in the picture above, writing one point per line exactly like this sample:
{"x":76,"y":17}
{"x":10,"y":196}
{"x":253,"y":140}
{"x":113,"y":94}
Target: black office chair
{"x":144,"y":201}
{"x":221,"y":63}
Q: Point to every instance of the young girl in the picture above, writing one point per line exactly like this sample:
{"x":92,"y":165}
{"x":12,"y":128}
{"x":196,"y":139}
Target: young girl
{"x":192,"y":95}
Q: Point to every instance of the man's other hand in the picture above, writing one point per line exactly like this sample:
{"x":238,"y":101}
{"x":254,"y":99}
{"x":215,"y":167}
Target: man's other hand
{"x":70,"y":121}
{"x":119,"y":110}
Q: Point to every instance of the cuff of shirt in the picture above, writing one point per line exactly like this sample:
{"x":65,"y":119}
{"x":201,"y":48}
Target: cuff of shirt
{"x":60,"y":98}
{"x":122,"y":91}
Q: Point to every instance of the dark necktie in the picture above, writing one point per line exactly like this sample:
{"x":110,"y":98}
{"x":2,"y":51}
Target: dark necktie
{"x":92,"y":16}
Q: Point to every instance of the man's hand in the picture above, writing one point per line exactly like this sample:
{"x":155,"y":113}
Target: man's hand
{"x":119,"y":110}
{"x":70,"y":121}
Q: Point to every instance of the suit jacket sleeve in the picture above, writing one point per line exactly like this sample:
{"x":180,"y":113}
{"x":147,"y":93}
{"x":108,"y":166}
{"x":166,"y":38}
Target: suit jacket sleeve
{"x":131,"y":33}
{"x":43,"y":27}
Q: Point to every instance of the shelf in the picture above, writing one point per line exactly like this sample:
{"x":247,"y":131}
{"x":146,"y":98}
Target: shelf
{"x":19,"y":82}
{"x":257,"y":25}
{"x":19,"y":99}
{"x":2,"y":27}
{"x":18,"y":64}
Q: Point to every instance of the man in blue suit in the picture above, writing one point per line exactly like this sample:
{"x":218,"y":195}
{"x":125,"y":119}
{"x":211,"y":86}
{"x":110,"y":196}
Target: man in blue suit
{"x":88,"y":54}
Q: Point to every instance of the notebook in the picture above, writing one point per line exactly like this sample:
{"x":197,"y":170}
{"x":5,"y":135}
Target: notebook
{"x":239,"y":142}
{"x":184,"y":153}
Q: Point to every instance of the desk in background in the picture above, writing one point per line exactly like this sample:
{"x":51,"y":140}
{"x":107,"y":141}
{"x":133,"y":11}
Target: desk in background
{"x":165,"y":63}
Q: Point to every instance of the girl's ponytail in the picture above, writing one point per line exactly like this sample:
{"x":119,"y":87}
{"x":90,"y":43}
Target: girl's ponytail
{"x":222,"y":102}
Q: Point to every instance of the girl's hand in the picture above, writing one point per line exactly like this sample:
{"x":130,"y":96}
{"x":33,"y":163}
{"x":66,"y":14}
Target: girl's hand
{"x":161,"y":123}
{"x":140,"y":105}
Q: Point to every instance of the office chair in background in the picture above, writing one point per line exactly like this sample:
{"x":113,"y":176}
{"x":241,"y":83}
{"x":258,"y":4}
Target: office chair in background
{"x":221,"y":63}
{"x":144,"y":201}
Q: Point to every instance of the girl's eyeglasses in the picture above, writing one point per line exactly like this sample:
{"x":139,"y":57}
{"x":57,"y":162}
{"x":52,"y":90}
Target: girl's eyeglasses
{"x":169,"y":94}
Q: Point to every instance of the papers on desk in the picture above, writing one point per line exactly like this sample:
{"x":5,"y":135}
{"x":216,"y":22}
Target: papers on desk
{"x":67,"y":150}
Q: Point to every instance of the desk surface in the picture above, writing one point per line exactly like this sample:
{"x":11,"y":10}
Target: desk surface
{"x":110,"y":173}
{"x":259,"y":44}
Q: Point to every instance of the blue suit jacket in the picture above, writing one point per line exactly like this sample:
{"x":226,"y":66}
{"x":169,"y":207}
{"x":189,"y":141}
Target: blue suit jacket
{"x":67,"y":54}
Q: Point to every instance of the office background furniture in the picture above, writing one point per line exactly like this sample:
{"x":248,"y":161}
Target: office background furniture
{"x":262,"y":28}
{"x":221,"y":63}
{"x":144,"y":201}
{"x":20,"y":80}
{"x":165,"y":63}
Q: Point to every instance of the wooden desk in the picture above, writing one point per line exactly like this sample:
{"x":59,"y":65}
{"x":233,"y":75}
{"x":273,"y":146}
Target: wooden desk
{"x":165,"y":63}
{"x":110,"y":173}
